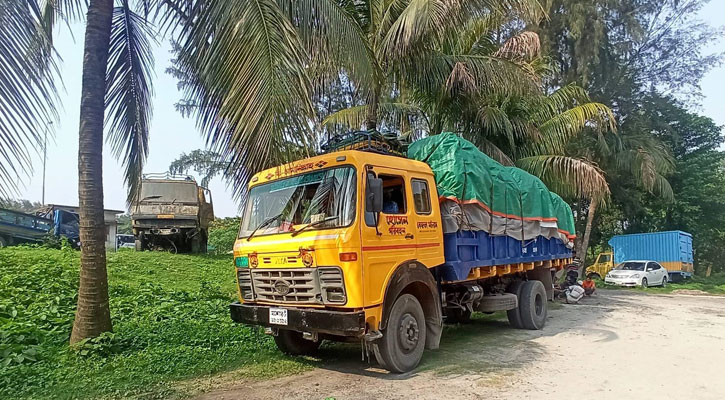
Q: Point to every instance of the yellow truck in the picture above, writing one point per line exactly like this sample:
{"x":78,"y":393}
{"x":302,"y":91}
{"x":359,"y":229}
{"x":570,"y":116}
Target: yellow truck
{"x":364,"y":244}
{"x":601,"y":267}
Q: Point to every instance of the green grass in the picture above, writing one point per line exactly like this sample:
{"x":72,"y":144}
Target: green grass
{"x":170,"y":317}
{"x":713,"y":285}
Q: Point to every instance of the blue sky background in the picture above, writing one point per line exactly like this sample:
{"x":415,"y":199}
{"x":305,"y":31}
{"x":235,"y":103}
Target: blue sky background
{"x":172,"y":135}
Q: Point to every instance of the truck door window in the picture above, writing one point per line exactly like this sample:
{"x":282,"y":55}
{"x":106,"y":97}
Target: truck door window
{"x":393,"y":194}
{"x":421,"y":196}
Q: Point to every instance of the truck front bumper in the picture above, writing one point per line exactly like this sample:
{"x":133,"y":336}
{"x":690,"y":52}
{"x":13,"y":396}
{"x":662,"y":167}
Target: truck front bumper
{"x":340,"y":323}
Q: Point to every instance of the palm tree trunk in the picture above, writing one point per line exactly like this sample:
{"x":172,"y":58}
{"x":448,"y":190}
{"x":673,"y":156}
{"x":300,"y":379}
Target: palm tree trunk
{"x":584,"y":245}
{"x":93,"y":315}
{"x":371,"y":122}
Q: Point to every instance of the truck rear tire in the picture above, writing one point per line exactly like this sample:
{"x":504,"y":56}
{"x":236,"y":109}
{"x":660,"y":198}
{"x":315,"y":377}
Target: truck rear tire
{"x":533,"y":305}
{"x":292,"y":343}
{"x":401,"y":347}
{"x":514,"y":315}
{"x":139,"y":244}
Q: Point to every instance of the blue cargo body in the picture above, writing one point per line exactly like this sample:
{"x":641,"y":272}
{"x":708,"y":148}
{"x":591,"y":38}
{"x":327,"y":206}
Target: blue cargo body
{"x":465,"y":250}
{"x":672,"y":249}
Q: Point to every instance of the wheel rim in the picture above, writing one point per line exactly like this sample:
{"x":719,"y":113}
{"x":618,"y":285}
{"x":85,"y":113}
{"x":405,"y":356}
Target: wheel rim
{"x":538,"y":304}
{"x":644,"y":282}
{"x":408,"y":333}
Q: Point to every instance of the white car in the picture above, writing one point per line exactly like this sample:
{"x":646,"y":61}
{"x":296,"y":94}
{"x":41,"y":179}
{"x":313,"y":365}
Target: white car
{"x":638,"y":273}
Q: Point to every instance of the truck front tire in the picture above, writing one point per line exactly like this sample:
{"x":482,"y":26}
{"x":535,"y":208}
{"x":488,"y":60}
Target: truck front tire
{"x":292,"y":343}
{"x":533,"y":305}
{"x":401,"y":347}
{"x":139,"y":244}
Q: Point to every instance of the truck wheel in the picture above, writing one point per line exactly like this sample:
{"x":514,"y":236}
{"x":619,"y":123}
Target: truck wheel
{"x":139,"y":244}
{"x":403,"y":341}
{"x":292,"y":343}
{"x":196,"y":244}
{"x":458,"y":316}
{"x":533,"y":305}
{"x":514,"y":315}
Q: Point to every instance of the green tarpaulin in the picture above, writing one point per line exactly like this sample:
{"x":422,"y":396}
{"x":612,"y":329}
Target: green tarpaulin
{"x":467,"y":176}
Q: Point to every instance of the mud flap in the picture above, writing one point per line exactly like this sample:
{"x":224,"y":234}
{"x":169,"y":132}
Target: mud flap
{"x":434,"y":330}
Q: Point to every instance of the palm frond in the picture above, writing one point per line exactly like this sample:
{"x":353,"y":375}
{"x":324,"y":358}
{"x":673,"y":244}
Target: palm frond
{"x":355,"y":117}
{"x":245,"y":65}
{"x":522,"y":47}
{"x":333,"y":41}
{"x":567,"y":124}
{"x":129,"y":93}
{"x":567,"y":176}
{"x":27,"y":89}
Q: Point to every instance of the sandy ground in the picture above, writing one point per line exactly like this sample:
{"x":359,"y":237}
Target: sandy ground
{"x":617,"y":345}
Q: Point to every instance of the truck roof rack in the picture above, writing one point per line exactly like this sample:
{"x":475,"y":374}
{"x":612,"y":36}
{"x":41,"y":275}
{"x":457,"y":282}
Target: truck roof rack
{"x":169,"y":176}
{"x":372,"y":141}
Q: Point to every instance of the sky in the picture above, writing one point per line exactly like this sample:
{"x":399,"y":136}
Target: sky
{"x":171,"y":134}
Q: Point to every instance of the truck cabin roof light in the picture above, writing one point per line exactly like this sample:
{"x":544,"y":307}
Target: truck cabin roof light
{"x":351,"y":256}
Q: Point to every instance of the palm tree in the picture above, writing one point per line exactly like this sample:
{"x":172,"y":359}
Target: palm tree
{"x":116,"y":91}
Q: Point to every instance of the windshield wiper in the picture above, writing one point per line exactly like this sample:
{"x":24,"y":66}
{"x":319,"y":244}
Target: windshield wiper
{"x":263,"y":224}
{"x":322,"y":221}
{"x":156,"y":196}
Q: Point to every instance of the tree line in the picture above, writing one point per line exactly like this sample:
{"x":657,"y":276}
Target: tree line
{"x":591,"y":96}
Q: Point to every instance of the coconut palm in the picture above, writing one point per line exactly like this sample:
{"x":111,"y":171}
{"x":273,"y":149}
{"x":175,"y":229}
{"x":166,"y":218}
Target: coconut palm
{"x":116,"y":91}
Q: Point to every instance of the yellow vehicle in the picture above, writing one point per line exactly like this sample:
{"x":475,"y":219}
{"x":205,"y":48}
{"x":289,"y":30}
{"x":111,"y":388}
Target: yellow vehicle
{"x":602,"y":266}
{"x":344,"y":246}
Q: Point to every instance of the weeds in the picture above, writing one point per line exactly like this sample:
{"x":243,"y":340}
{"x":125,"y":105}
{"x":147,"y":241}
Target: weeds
{"x":170,"y":317}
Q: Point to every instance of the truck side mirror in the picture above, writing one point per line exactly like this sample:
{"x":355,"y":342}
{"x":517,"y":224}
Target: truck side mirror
{"x":374,"y":195}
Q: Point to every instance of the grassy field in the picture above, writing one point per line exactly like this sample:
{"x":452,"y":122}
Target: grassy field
{"x":711,"y":285}
{"x":170,"y":317}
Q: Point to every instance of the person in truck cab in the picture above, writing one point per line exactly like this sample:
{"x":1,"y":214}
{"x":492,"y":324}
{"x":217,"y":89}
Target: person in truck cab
{"x":390,"y":206}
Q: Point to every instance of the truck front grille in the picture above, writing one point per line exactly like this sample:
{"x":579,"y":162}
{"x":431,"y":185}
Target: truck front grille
{"x":289,"y":285}
{"x":322,"y":285}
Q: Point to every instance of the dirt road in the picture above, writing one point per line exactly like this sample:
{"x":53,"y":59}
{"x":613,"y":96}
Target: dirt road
{"x":618,"y":345}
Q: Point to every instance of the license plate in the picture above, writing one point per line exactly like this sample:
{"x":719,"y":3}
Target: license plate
{"x":278,"y":316}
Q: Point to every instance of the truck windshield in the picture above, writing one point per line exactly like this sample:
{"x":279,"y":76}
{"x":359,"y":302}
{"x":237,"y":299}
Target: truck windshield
{"x":167,"y":192}
{"x":325,"y":198}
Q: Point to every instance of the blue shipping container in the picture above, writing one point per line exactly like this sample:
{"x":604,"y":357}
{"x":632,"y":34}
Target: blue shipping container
{"x":672,"y":249}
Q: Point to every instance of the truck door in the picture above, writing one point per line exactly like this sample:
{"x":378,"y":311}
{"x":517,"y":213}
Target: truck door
{"x":427,"y":227}
{"x":390,"y":240}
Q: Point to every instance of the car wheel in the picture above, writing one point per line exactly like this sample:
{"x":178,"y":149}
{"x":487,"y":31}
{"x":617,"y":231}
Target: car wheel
{"x":664,"y":281}
{"x":644,"y":283}
{"x":401,"y":347}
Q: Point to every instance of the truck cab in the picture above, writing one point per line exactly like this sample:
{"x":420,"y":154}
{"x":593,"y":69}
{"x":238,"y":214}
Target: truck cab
{"x":172,"y":213}
{"x":601,"y":267}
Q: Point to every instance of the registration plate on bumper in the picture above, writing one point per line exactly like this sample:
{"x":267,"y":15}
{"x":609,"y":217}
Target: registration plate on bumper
{"x":278,"y":316}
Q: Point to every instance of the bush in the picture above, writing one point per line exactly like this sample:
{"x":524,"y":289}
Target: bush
{"x":170,"y":317}
{"x":222,"y":234}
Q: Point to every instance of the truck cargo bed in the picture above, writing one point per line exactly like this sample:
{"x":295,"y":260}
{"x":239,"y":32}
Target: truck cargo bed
{"x":465,"y":250}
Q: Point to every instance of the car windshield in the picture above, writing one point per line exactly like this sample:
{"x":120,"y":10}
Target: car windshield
{"x":325,"y":197}
{"x":631,"y":266}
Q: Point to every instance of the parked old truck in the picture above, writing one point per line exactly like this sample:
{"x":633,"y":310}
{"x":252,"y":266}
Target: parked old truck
{"x":172,"y":213}
{"x":19,"y":227}
{"x":365,"y":244}
{"x":671,"y":249}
